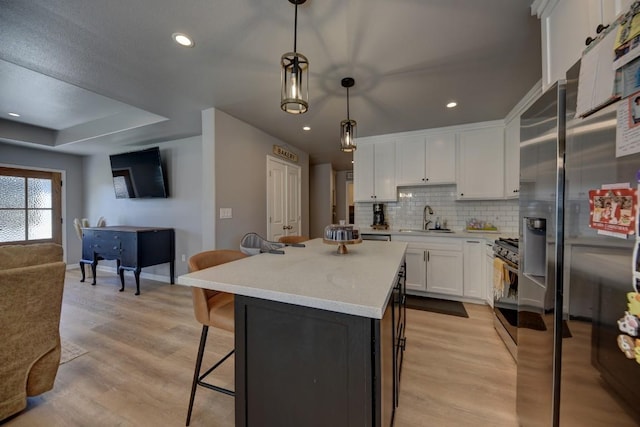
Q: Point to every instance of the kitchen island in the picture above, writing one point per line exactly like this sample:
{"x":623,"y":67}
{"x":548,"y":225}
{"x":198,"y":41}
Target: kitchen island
{"x":319,"y":336}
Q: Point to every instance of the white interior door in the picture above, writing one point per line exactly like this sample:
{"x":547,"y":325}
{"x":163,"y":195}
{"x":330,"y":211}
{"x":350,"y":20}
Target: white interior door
{"x":293,"y":201}
{"x":283,"y":199}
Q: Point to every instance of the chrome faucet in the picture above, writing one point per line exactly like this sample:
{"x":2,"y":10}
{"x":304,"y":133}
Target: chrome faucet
{"x":424,"y":216}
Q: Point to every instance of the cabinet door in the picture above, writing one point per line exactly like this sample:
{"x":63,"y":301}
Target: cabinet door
{"x":444,"y":272}
{"x":384,"y":172}
{"x":488,"y":276}
{"x":416,"y":259}
{"x":564,"y":32}
{"x":611,"y":9}
{"x":363,"y":173}
{"x":441,"y":159}
{"x":410,"y":160}
{"x":512,"y":158}
{"x":473,"y":251}
{"x":481,"y":164}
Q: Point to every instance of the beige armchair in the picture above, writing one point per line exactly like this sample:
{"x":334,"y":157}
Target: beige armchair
{"x":31,"y":285}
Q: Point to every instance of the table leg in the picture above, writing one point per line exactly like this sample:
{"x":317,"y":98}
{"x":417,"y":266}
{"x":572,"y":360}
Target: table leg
{"x":121,"y":273}
{"x":94,"y":264}
{"x":137,"y":274}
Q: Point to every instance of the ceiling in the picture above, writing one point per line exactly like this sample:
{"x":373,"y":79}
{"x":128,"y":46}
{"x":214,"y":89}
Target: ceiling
{"x":104,"y":76}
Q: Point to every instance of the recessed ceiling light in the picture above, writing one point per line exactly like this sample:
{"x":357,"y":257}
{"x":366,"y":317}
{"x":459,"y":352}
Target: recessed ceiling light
{"x":14,"y":114}
{"x":183,"y":39}
{"x":452,"y":104}
{"x":306,"y":128}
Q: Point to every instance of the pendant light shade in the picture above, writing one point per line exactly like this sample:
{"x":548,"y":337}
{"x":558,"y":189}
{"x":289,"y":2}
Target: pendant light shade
{"x":348,"y":127}
{"x":294,"y":97}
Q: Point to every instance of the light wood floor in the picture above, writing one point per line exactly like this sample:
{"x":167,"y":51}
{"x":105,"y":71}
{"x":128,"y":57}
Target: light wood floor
{"x":141,"y":352}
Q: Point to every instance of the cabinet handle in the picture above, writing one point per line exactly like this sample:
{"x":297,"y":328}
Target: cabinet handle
{"x":472,"y":241}
{"x":426,"y":179}
{"x":461,"y":194}
{"x":427,"y":256}
{"x":424,"y":256}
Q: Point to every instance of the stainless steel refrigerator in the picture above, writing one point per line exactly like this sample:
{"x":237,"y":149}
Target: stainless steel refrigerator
{"x":572,"y":282}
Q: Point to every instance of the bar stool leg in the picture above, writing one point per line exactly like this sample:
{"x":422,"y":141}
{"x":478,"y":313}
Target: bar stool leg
{"x":196,"y":374}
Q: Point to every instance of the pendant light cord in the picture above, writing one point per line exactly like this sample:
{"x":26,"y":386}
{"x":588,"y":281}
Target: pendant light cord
{"x":348,"y":118}
{"x":295,"y":30}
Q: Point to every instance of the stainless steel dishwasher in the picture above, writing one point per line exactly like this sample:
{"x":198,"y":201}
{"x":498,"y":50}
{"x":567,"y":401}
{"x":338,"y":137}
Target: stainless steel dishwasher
{"x":376,"y":236}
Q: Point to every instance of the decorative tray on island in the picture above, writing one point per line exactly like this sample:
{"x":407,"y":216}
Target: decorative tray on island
{"x":342,"y":235}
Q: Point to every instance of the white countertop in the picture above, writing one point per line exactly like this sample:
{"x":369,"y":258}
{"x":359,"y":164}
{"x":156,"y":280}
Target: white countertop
{"x":461,"y":234}
{"x":357,"y":283}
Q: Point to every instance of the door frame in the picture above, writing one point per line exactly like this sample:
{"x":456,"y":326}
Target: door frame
{"x":63,"y":198}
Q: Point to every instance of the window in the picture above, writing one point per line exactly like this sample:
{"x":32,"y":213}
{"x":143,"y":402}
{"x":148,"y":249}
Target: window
{"x":30,"y":206}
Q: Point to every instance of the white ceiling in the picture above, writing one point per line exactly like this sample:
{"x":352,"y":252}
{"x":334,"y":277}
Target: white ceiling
{"x":104,"y":76}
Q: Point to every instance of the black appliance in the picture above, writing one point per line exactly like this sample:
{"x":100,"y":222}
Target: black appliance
{"x":378,"y":215}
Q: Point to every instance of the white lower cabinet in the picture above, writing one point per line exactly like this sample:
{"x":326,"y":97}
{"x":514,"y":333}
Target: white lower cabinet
{"x":474,"y":285}
{"x":416,"y":259}
{"x":444,"y":272}
{"x":434,"y":265}
{"x":488,"y":273}
{"x":448,"y":266}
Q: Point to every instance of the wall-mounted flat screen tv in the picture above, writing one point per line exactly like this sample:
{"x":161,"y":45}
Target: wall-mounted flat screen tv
{"x":138,"y":174}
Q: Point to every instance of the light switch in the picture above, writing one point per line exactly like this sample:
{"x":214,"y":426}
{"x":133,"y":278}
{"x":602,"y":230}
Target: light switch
{"x":225,"y":213}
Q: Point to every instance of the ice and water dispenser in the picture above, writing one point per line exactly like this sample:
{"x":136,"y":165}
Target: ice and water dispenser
{"x":534,"y":261}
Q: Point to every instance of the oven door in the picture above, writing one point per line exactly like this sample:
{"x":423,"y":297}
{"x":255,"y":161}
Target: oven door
{"x":505,"y":301}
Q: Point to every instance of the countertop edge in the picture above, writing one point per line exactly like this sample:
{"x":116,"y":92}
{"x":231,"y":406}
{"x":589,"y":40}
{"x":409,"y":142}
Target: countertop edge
{"x":322,"y":304}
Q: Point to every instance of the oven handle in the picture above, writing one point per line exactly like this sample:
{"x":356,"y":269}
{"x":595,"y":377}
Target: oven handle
{"x":510,"y":268}
{"x":508,"y":265}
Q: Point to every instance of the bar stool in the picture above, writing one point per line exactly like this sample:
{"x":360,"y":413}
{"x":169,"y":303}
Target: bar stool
{"x":211,"y":308}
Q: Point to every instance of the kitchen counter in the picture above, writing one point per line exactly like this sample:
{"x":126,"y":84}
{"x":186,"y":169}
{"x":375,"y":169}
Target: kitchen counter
{"x":456,"y":233}
{"x":357,"y":283}
{"x":318,"y":339}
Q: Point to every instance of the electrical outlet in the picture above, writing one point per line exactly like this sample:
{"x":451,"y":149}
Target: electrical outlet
{"x":184,"y":258}
{"x":225,"y":213}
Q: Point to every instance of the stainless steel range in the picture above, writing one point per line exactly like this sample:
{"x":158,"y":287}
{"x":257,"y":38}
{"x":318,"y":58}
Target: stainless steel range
{"x":505,"y":296}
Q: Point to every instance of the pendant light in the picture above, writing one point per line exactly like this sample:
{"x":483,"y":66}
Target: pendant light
{"x":348,"y":127}
{"x":294,"y":98}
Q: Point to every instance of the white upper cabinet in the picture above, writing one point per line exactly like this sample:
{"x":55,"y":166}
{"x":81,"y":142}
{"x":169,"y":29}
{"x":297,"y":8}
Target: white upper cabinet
{"x":374,"y":172}
{"x":566,"y":24}
{"x":481,"y":164}
{"x":426,"y":159}
{"x":512,"y":158}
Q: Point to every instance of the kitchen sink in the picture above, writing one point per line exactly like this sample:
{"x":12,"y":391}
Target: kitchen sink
{"x":431,"y":230}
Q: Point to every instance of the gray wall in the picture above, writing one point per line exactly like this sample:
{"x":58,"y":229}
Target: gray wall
{"x":181,"y":210}
{"x":241,"y":180}
{"x":341,"y":196}
{"x":238,"y":151}
{"x":72,"y":186}
{"x":320,"y":202}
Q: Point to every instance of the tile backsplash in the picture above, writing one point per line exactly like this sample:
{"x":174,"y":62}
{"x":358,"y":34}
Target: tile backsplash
{"x":407,"y":211}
